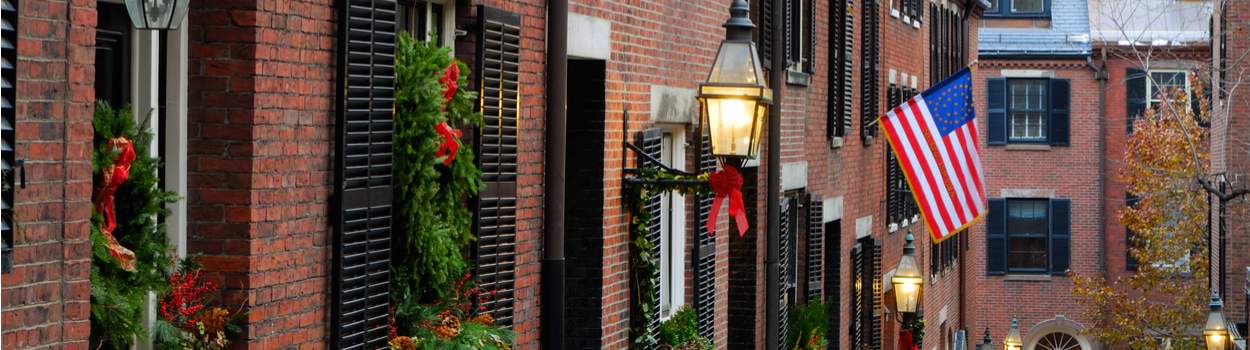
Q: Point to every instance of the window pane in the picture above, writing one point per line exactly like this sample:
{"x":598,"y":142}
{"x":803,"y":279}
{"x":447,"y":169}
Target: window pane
{"x":1027,"y":233}
{"x":993,"y":5}
{"x":1027,"y":6}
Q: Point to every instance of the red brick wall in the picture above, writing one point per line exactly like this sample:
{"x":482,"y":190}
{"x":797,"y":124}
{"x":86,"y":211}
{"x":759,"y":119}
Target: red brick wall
{"x":47,"y":296}
{"x":261,"y":119}
{"x":1069,"y":171}
{"x":1236,"y":156}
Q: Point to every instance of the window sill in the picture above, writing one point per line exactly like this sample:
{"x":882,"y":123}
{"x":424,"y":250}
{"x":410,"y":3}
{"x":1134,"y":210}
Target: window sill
{"x":1028,"y":147}
{"x":798,"y":78}
{"x":1027,"y":278}
{"x":836,"y":142}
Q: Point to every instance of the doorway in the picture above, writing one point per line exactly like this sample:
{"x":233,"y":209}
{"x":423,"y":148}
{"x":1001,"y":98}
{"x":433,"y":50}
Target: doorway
{"x":584,"y":200}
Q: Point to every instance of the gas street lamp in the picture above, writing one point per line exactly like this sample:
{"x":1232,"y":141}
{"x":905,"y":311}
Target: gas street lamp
{"x":1216,"y":330}
{"x":735,"y":98}
{"x":157,"y":14}
{"x":907,"y":279}
{"x":1013,"y":336}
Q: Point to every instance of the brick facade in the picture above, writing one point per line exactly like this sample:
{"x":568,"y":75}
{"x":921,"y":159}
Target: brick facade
{"x":1230,"y":155}
{"x":46,"y":297}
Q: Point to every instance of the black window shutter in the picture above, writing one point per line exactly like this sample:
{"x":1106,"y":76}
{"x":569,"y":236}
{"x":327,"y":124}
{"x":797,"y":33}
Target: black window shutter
{"x":997,"y":110}
{"x":651,"y":142}
{"x":705,"y":248}
{"x":878,"y":298}
{"x":764,"y":28}
{"x":848,"y":45}
{"x":793,"y":25}
{"x":815,"y":246}
{"x":494,"y":252}
{"x":787,"y":265}
{"x":8,"y":102}
{"x":858,"y":306}
{"x":1135,"y":91}
{"x":996,"y":238}
{"x":869,"y":86}
{"x":1130,"y":262}
{"x":1060,"y":238}
{"x":809,"y":37}
{"x":361,"y":276}
{"x":1060,"y":107}
{"x":841,"y":32}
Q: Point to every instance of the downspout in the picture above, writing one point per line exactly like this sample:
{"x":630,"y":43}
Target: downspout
{"x":552,"y":289}
{"x":772,"y":295}
{"x":1100,"y":74}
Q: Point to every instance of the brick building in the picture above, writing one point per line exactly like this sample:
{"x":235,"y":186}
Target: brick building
{"x":255,"y":99}
{"x":1230,"y":156}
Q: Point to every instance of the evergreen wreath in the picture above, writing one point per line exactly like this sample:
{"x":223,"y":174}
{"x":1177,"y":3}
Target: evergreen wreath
{"x":118,"y":296}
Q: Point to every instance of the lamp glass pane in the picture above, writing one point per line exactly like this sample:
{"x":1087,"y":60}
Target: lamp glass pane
{"x":730,"y":122}
{"x":135,"y":9}
{"x":737,"y":62}
{"x":158,"y":12}
{"x":906,"y":296}
{"x":180,"y":13}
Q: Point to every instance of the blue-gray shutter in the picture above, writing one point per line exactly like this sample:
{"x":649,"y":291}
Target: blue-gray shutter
{"x":362,"y":259}
{"x":815,"y":247}
{"x":996,"y":238}
{"x":996,"y":110}
{"x":498,"y":72}
{"x":1060,"y":110}
{"x":1135,"y":93}
{"x":651,"y":142}
{"x":1060,"y":236}
{"x":705,"y":250}
{"x":8,"y":100}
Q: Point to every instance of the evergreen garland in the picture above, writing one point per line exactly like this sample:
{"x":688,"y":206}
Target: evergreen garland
{"x":644,"y":265}
{"x":432,"y":223}
{"x":118,"y":297}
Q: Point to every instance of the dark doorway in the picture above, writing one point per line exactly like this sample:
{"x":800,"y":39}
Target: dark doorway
{"x":112,"y":55}
{"x":833,"y":282}
{"x":584,"y":200}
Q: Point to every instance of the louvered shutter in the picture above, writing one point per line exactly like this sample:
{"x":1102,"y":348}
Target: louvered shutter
{"x":841,"y":37}
{"x":809,"y":37}
{"x":1060,"y":236}
{"x":878,"y":298}
{"x":498,"y":66}
{"x":362,"y":246}
{"x":893,"y":173}
{"x":833,"y":283}
{"x":869,"y":89}
{"x":1135,"y":92}
{"x":996,"y":238}
{"x":1060,"y":102}
{"x":8,"y":99}
{"x":793,"y":26}
{"x":786,"y":267}
{"x":705,"y":252}
{"x":651,"y":142}
{"x":996,"y":92}
{"x":766,"y":38}
{"x":859,"y":309}
{"x":815,"y":247}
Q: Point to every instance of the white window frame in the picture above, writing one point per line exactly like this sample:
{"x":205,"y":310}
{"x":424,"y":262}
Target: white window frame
{"x":447,"y":29}
{"x":145,"y":80}
{"x":1044,"y":121}
{"x":672,"y":227}
{"x":1151,"y":100}
{"x":801,"y":60}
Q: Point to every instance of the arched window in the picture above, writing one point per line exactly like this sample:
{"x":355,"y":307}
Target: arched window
{"x":1057,"y":341}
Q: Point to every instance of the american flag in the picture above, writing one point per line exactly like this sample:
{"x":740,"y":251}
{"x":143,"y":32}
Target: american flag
{"x":934,"y":136}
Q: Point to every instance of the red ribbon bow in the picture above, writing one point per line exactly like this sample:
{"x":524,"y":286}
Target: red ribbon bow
{"x":727,"y":183}
{"x":113,"y":178}
{"x":451,"y":143}
{"x":449,"y":80}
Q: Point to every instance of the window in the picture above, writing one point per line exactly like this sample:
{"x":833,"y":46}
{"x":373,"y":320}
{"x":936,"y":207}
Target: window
{"x":943,"y":255}
{"x":429,"y":20}
{"x":799,"y":26}
{"x":1019,"y":8}
{"x":1028,"y":236}
{"x":1057,"y":341}
{"x":1028,"y":110}
{"x":672,"y":229}
{"x":948,"y":44}
{"x":901,"y":208}
{"x":1145,"y":93}
{"x":908,"y":9}
{"x":1163,"y":83}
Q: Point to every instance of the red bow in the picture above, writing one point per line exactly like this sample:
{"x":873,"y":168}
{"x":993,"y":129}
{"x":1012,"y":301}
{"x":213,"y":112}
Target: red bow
{"x":451,"y":143}
{"x":727,"y":183}
{"x":114,"y":176}
{"x":450,"y":76}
